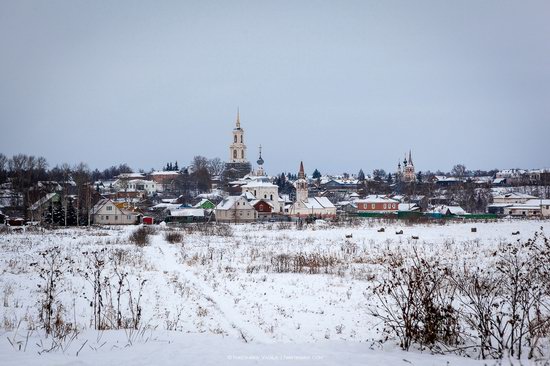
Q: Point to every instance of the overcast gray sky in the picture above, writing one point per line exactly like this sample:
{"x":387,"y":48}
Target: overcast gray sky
{"x":341,"y":85}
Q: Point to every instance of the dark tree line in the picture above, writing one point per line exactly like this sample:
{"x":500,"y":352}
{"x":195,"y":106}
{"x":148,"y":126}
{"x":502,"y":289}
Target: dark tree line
{"x":28,"y":179}
{"x":110,"y":173}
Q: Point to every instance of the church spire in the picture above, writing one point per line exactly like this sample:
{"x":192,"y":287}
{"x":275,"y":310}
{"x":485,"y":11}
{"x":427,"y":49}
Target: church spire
{"x":301,"y":185}
{"x":410,"y":158}
{"x":238,"y":118}
{"x":301,"y":174}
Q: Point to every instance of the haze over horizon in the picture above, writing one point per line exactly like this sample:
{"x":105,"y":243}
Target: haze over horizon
{"x":340,"y":86}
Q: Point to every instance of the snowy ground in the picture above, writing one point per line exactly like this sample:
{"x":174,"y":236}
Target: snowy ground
{"x":214,"y":299}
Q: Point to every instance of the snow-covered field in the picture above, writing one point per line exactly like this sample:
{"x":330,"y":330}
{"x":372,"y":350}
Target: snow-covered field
{"x":228,"y":298}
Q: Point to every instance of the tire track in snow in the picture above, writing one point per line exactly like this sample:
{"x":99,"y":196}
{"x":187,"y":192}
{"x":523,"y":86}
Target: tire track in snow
{"x":168,"y":255}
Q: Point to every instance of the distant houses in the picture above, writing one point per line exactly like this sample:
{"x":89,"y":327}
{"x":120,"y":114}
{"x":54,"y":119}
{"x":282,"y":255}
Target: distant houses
{"x":530,"y":208}
{"x":235,"y":209}
{"x":107,"y":212}
{"x":444,"y":210}
{"x":503,"y":202}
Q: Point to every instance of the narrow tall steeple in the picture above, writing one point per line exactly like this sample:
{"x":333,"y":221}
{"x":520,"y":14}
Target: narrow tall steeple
{"x":410,"y":158}
{"x":238,"y":119}
{"x":301,"y":185}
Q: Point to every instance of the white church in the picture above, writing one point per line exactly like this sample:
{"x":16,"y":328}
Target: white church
{"x":256,"y":188}
{"x":305,"y":206}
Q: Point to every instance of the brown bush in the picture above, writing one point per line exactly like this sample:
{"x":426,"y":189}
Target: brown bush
{"x":173,"y":237}
{"x":140,"y":237}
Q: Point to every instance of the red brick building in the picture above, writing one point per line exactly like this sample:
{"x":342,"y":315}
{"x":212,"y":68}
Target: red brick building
{"x":375,"y":203}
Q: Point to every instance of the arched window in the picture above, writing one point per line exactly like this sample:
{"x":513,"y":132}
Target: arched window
{"x":234,"y":154}
{"x":235,"y":138}
{"x":242,"y":154}
{"x":241,"y":139}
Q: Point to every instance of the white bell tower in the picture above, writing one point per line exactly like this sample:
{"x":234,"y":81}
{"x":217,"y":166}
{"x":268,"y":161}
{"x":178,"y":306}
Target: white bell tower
{"x":237,"y":149}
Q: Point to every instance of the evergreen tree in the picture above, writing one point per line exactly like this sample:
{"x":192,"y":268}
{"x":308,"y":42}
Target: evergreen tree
{"x":361,"y":175}
{"x":379,"y":174}
{"x":419,"y":177}
{"x":281,"y":181}
{"x":316,"y":174}
{"x":58,"y":214}
{"x":389,"y":179}
{"x":176,"y":166}
{"x":47,"y":215}
{"x":71,"y":215}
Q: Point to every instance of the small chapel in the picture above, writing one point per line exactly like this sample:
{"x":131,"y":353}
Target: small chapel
{"x":305,"y":206}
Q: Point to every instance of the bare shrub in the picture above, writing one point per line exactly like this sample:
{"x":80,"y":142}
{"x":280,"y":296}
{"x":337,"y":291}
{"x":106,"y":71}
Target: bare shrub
{"x":209,"y":229}
{"x":415,"y":303}
{"x":6,"y":293}
{"x":494,"y":312}
{"x":507,"y":309}
{"x":140,"y":236}
{"x":51,"y":268}
{"x":173,"y":237}
{"x":115,"y":300}
{"x":284,"y":226}
{"x":311,"y":263}
{"x":134,"y":304}
{"x":93,"y":273}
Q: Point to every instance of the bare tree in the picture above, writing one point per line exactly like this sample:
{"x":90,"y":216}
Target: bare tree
{"x":200,"y":174}
{"x":198,"y":163}
{"x":81,"y":176}
{"x":25,"y":170}
{"x":459,"y":170}
{"x":216,"y":166}
{"x":66,"y":172}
